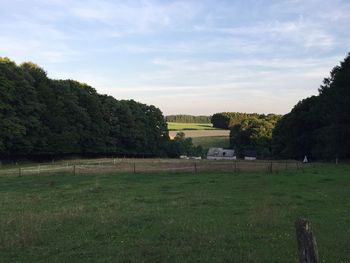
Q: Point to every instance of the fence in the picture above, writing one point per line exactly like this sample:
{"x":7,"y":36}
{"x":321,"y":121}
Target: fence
{"x":100,"y":166}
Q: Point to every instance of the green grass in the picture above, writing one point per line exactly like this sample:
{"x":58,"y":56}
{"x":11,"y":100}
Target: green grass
{"x":209,"y":217}
{"x":177,"y":126}
{"x":215,"y":141}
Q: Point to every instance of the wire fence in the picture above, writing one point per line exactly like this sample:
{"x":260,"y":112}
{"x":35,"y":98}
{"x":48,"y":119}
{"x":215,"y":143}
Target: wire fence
{"x":103,"y":166}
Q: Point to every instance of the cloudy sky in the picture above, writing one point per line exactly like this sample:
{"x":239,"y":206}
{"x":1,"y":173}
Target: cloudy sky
{"x":195,"y":57}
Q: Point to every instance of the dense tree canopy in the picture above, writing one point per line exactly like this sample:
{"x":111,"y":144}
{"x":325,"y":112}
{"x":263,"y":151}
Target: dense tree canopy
{"x":40,"y":116}
{"x":253,"y":134}
{"x":188,"y":118}
{"x":318,"y":126}
{"x":226,"y":120}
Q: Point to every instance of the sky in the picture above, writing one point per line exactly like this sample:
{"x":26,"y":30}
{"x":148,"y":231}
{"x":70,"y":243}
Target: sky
{"x":185,"y":57}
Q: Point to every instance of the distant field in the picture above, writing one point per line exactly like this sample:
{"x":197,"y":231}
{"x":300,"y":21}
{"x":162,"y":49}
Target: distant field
{"x":174,"y":217}
{"x":203,"y":133}
{"x":207,"y":138}
{"x":176,"y":126}
{"x":213,"y":141}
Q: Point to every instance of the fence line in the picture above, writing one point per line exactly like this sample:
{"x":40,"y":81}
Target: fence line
{"x":153,"y":165}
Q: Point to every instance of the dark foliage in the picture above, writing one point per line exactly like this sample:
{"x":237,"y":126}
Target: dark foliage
{"x":253,"y":134}
{"x":188,"y":118}
{"x":319,"y":126}
{"x":41,"y":116}
{"x":226,"y":120}
{"x":181,"y":145}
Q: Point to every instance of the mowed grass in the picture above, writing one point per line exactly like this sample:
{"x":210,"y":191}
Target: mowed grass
{"x":177,"y":126}
{"x":184,"y":217}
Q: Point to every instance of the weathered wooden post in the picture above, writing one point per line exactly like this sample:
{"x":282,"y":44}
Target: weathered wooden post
{"x":269,"y":167}
{"x":74,"y":171}
{"x":195,"y":167}
{"x":271,"y":164}
{"x":134,"y":168}
{"x":307,"y":247}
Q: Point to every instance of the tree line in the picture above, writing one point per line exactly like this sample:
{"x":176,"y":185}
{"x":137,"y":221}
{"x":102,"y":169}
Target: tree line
{"x":41,"y":116}
{"x":183,"y":118}
{"x":226,"y":120}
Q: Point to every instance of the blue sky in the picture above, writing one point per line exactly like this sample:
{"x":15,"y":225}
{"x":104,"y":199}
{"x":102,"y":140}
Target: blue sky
{"x":195,"y":57}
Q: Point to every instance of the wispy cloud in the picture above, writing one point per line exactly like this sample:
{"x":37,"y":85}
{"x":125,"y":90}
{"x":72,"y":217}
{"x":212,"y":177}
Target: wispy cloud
{"x":137,"y":17}
{"x":300,"y":33}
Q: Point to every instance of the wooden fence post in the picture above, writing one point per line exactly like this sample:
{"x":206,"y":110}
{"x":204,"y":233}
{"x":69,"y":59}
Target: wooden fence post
{"x":20,"y":172}
{"x":74,"y":170}
{"x":271,"y":170}
{"x":307,"y":247}
{"x":269,"y":167}
{"x":134,"y":168}
{"x":195,"y":167}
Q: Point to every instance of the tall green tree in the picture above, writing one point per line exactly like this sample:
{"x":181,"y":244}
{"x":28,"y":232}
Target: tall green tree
{"x":252,"y":134}
{"x":318,"y":126}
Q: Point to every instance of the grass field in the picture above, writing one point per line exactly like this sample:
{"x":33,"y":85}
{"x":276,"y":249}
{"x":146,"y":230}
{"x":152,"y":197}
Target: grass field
{"x":181,"y":217}
{"x":203,"y":133}
{"x":177,"y":126}
{"x":212,"y":141}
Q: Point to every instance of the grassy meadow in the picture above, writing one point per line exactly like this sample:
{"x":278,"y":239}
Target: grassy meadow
{"x":174,"y":217}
